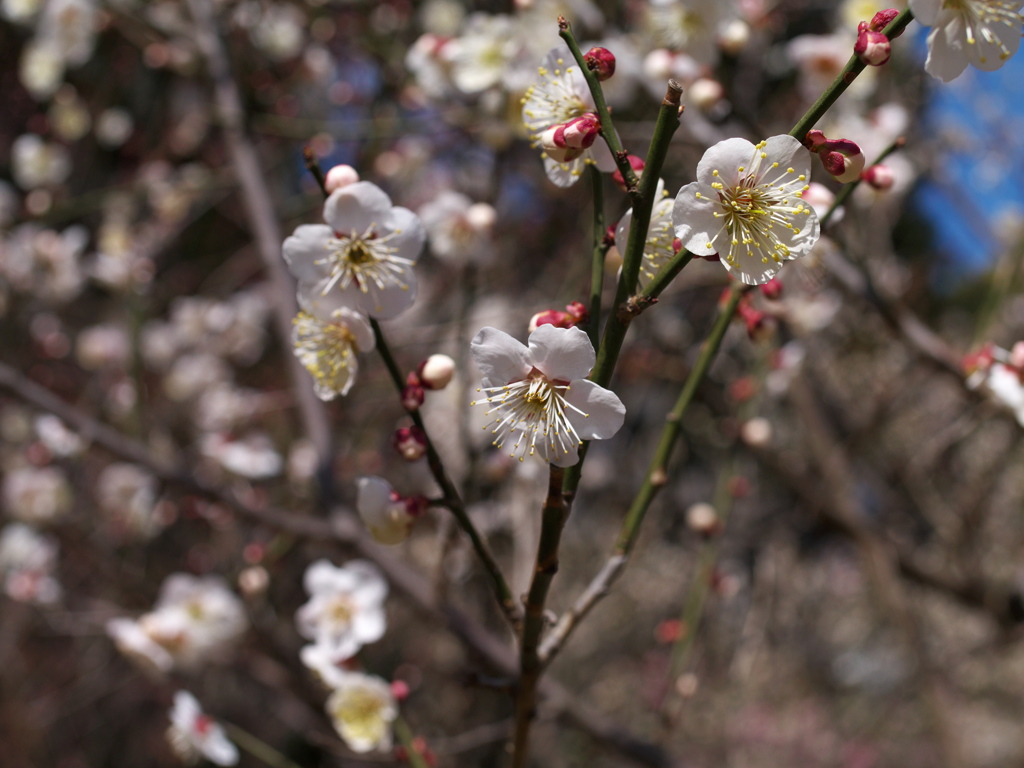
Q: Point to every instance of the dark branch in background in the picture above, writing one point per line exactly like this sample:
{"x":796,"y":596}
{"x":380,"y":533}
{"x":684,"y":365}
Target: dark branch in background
{"x":344,"y":529}
{"x":259,"y":208}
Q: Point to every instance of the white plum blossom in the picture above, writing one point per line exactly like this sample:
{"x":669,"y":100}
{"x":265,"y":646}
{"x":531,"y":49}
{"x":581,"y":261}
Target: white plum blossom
{"x":37,"y":495}
{"x":127,"y":495}
{"x":690,"y":26}
{"x":459,"y":229}
{"x":326,"y":344}
{"x":28,"y":560}
{"x":984,"y":33}
{"x":746,"y":205}
{"x":346,"y":606}
{"x":193,"y":733}
{"x":661,"y":244}
{"x":538,"y":393}
{"x":195,"y":620}
{"x":362,"y":709}
{"x":362,"y":257}
{"x":561,"y":95}
{"x":252,"y":456}
{"x":383,"y":511}
{"x":481,"y":56}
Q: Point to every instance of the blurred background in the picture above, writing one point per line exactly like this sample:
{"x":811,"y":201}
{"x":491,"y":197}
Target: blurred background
{"x":832,"y":574}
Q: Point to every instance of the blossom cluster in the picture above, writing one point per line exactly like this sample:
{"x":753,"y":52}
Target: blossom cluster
{"x":345,"y":612}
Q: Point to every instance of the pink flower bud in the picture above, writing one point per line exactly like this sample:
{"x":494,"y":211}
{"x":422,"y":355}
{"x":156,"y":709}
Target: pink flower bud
{"x":882,"y":19}
{"x":578,"y":311}
{"x":703,"y":519}
{"x":842,"y":158}
{"x":436,"y":371}
{"x":410,"y":442}
{"x":340,"y":176}
{"x":601,"y":62}
{"x":873,"y":48}
{"x":1017,"y":356}
{"x":553,"y":143}
{"x":677,"y":245}
{"x":400,"y":690}
{"x":609,"y":235}
{"x":880,"y":177}
{"x":979,"y":361}
{"x":759,"y":325}
{"x":412,"y":397}
{"x":551,"y":317}
{"x":637,"y":164}
{"x":772,"y":289}
{"x":415,"y":506}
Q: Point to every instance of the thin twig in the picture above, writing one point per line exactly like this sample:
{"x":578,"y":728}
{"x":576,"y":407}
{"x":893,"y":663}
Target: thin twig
{"x":553,"y":521}
{"x":262,"y":217}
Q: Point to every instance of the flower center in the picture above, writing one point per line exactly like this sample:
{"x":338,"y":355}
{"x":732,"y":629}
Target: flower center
{"x":537,"y":410}
{"x":327,"y":350}
{"x":365,"y":260}
{"x":757,"y":207}
{"x":360,"y":711}
{"x":981,"y":16}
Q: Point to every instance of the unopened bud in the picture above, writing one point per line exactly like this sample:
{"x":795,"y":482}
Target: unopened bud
{"x":1017,"y":356}
{"x":759,"y":325}
{"x":979,"y":361}
{"x":577,"y":311}
{"x":412,"y":397}
{"x":636,"y":163}
{"x":601,"y":62}
{"x":340,"y":176}
{"x":702,"y":518}
{"x":882,"y":19}
{"x":567,"y":141}
{"x":880,"y":177}
{"x":705,"y":93}
{"x":669,"y":631}
{"x":400,"y":690}
{"x":410,"y":442}
{"x":481,"y":216}
{"x":757,"y":432}
{"x":742,"y":389}
{"x":436,"y":371}
{"x":253,"y":581}
{"x":873,"y":48}
{"x":609,"y":234}
{"x":772,"y":289}
{"x":842,"y":158}
{"x":733,"y":38}
{"x":553,"y":317}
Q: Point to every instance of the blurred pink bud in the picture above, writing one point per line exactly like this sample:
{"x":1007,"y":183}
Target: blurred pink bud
{"x":400,"y":690}
{"x":703,"y":519}
{"x":759,"y":325}
{"x":880,"y":177}
{"x":1017,"y":356}
{"x":436,"y":371}
{"x":601,"y":62}
{"x":873,"y":48}
{"x":609,"y":235}
{"x":578,"y":311}
{"x":743,"y":389}
{"x":340,"y":176}
{"x":980,"y":360}
{"x":772,"y":289}
{"x":637,"y":164}
{"x":882,"y":19}
{"x":412,"y":397}
{"x":415,"y":506}
{"x":410,"y":442}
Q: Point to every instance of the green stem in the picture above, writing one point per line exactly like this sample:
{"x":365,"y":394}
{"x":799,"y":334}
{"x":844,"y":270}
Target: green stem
{"x":848,"y":74}
{"x":597,"y":263}
{"x":619,"y":320}
{"x":453,"y":499}
{"x":657,"y":472}
{"x":604,"y":115}
{"x":404,"y":733}
{"x":257,"y":748}
{"x":553,"y":518}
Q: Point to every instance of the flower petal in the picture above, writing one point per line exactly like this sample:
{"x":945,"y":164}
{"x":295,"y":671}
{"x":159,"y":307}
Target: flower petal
{"x":500,"y":358}
{"x":303,"y":249}
{"x":726,"y":157}
{"x":409,"y":234}
{"x":604,"y":411}
{"x":562,"y":354}
{"x":356,"y":207}
{"x":694,"y":220}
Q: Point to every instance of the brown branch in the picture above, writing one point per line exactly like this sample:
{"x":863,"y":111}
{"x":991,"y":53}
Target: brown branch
{"x":259,"y":208}
{"x":343,"y":528}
